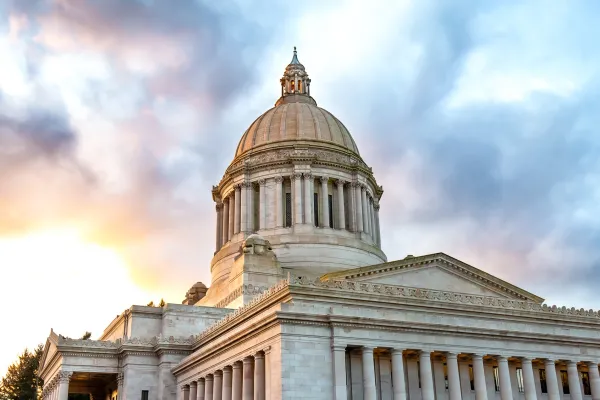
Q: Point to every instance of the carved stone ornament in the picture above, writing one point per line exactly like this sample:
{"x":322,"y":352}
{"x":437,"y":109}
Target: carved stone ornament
{"x":324,"y":179}
{"x":308,"y":175}
{"x":64,"y":376}
{"x":278,"y":179}
{"x":296,"y":175}
{"x":262,"y":182}
{"x":340,"y":182}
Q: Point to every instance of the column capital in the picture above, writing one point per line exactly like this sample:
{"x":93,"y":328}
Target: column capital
{"x":218,"y":373}
{"x":185,"y":388}
{"x":477,"y":356}
{"x":278,"y":179}
{"x":64,"y":376}
{"x":367,"y":348}
{"x":376,"y":207}
{"x":592,"y":363}
{"x":236,"y":365}
{"x":338,"y":347}
{"x":450,"y":354}
{"x":571,"y":363}
{"x":307,"y":175}
{"x":208,"y":378}
{"x":355,"y":184}
{"x":237,"y":187}
{"x":397,"y":351}
{"x":248,"y":360}
{"x":340,"y":182}
{"x":267,"y":350}
{"x":501,"y":358}
{"x":200,"y":380}
{"x":259,"y":355}
{"x":193,"y":384}
{"x":525,"y":359}
{"x":296,"y":176}
{"x":262,"y":182}
{"x":227,"y":368}
{"x":324,"y":179}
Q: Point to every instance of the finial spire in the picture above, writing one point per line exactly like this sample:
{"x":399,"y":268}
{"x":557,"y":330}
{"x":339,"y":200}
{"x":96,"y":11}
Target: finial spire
{"x":295,"y":58}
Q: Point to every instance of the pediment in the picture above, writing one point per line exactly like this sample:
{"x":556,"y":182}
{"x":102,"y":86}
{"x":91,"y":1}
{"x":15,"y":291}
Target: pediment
{"x":50,"y":348}
{"x":438,"y":272}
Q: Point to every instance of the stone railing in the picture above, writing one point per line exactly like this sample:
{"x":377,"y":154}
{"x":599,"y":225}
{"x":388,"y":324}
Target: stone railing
{"x":65,"y":341}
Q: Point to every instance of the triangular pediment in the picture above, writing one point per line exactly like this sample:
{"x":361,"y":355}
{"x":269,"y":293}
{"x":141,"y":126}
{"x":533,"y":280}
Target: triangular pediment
{"x":50,"y":348}
{"x":438,"y":272}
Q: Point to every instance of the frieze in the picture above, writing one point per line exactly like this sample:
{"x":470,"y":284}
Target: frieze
{"x":241,"y":290}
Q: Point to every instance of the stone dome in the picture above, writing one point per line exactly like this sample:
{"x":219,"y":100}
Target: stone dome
{"x":296,"y":121}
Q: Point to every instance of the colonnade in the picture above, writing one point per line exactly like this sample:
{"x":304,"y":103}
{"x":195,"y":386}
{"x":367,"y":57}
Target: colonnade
{"x":245,"y":379}
{"x":58,"y":387}
{"x":481,"y":377}
{"x":237,"y":211}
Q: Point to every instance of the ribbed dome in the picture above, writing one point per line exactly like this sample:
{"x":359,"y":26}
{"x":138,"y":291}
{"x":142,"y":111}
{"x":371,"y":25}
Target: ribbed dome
{"x":296,"y":121}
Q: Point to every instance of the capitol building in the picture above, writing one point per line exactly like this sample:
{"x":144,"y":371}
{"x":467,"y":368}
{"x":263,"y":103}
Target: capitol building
{"x":303,"y":303}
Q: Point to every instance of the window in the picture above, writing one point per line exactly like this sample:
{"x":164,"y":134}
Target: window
{"x":300,"y":86}
{"x":144,"y":395}
{"x":585,"y":381}
{"x":446,"y":375}
{"x":292,"y":86}
{"x":496,"y":379}
{"x":471,"y":377}
{"x":520,"y":380}
{"x":565,"y":382}
{"x":288,"y":209}
{"x":419,"y":372}
{"x":330,"y":204}
{"x":543,"y":385}
{"x":316,"y":208}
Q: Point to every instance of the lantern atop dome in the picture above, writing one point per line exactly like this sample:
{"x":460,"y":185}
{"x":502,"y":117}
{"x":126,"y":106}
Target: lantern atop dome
{"x":295,"y":83}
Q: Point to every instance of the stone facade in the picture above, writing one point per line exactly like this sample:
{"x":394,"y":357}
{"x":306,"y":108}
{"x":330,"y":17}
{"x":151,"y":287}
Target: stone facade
{"x":304,"y":305}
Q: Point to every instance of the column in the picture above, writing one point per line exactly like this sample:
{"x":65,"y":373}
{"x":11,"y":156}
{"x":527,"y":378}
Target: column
{"x":279,"y":208}
{"x":552,"y":381}
{"x":248,"y":385}
{"x":200,"y":390}
{"x":262,"y":204}
{"x":505,"y":384}
{"x":368,"y":367}
{"x":479,"y":378}
{"x":244,"y":207}
{"x":594,"y":380}
{"x":340,"y":199}
{"x":398,"y":380}
{"x":237,"y":216}
{"x":308,"y":195}
{"x":372,"y":214}
{"x":427,"y":392}
{"x":339,"y":372}
{"x":363,"y":199}
{"x":236,"y":381}
{"x":453,"y":376}
{"x":193,"y":390}
{"x":574,"y":384}
{"x":377,"y":228}
{"x":259,"y":376}
{"x":369,"y":220}
{"x":297,"y":182}
{"x":218,"y":385}
{"x":185,"y":389}
{"x":219,"y":209}
{"x":225,"y":218}
{"x":63,"y":385}
{"x":324,"y":201}
{"x":528,"y":380}
{"x":120,"y":379}
{"x":358,"y":206}
{"x":208,"y":387}
{"x":250,"y":209}
{"x":227,"y":383}
{"x":231,"y":214}
{"x":268,"y":373}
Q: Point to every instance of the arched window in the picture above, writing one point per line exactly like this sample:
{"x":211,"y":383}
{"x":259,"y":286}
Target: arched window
{"x":300,"y":86}
{"x":292,"y":86}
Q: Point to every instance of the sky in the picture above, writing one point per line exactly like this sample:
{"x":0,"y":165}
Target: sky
{"x":479,"y":119}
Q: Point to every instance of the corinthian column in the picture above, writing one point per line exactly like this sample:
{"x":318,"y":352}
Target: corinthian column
{"x":365,"y":215}
{"x":218,"y":386}
{"x":262,"y":204}
{"x":551,"y":380}
{"x":225,"y":218}
{"x":200,"y":391}
{"x":279,"y":201}
{"x":377,"y":228}
{"x":236,"y":381}
{"x":219,"y":208}
{"x":358,"y":206}
{"x":244,"y":207}
{"x":193,"y":390}
{"x":528,"y":380}
{"x":297,"y":181}
{"x":259,"y":376}
{"x":227,"y":383}
{"x":238,"y":199}
{"x":250,"y":209}
{"x":427,"y":390}
{"x":248,"y":386}
{"x":368,"y":366}
{"x":308,"y":194}
{"x":231,"y":226}
{"x":453,"y":376}
{"x":208,"y":387}
{"x":341,"y":212}
{"x":63,"y":385}
{"x":185,"y":389}
{"x":574,"y":383}
{"x":324,"y":201}
{"x":398,"y":381}
{"x":594,"y":380}
{"x":505,"y":384}
{"x":479,"y":377}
